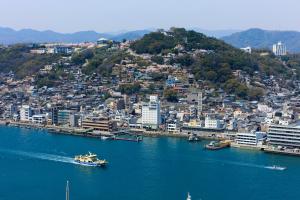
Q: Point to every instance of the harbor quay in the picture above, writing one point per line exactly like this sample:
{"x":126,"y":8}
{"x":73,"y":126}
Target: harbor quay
{"x":241,"y":140}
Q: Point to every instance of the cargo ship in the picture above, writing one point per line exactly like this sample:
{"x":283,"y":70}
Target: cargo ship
{"x":90,"y":160}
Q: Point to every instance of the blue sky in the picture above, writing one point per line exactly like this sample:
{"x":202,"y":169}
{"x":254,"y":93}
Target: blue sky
{"x":114,"y":15}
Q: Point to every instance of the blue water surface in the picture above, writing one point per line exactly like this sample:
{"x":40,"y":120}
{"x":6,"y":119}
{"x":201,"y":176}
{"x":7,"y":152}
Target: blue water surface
{"x":36,"y":165}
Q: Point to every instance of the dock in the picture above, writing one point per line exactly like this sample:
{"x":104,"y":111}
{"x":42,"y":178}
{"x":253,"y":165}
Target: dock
{"x":138,"y":139}
{"x":290,"y":152}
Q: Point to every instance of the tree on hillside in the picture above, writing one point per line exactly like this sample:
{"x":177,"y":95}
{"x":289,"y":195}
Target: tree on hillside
{"x":171,"y":95}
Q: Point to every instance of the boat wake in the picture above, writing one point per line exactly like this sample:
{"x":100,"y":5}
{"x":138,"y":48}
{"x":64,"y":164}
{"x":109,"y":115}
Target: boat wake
{"x":42,"y":156}
{"x":251,"y":165}
{"x":246,"y":164}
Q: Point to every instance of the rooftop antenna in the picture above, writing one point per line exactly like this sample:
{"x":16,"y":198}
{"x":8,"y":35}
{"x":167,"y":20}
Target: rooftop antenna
{"x":67,"y":191}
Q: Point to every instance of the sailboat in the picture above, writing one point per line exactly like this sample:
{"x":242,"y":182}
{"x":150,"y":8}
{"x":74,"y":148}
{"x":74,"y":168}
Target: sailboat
{"x":67,"y":191}
{"x":189,"y":197}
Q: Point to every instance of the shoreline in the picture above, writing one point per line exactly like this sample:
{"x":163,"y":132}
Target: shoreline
{"x":85,"y":133}
{"x":60,"y":130}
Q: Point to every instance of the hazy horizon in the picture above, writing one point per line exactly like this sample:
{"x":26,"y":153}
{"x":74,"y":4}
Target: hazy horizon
{"x":113,"y":16}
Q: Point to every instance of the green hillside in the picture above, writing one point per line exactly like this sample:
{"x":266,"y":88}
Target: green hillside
{"x":217,"y":65}
{"x":16,"y":58}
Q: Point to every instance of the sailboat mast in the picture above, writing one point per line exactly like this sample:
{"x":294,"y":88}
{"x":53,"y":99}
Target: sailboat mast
{"x":189,"y":197}
{"x":67,"y":191}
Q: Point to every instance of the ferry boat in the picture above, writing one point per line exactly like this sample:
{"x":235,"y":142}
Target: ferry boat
{"x":275,"y":167}
{"x":90,"y":160}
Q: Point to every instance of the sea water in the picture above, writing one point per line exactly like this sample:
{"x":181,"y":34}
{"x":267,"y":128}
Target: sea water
{"x":36,"y":165}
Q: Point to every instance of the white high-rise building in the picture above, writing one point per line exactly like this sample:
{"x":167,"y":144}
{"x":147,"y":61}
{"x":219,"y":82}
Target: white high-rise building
{"x":151,"y":113}
{"x":279,"y":49}
{"x":25,"y":113}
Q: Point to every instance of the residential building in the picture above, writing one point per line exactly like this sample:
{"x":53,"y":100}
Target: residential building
{"x":191,"y":78}
{"x":264,"y":108}
{"x":196,"y":97}
{"x":38,"y":51}
{"x":103,"y":41}
{"x":54,"y":115}
{"x":74,"y":120}
{"x":39,"y":119}
{"x":63,"y":50}
{"x":25,"y":113}
{"x":247,"y":49}
{"x":63,"y":117}
{"x":171,"y":81}
{"x":172,"y":128}
{"x":12,"y":109}
{"x":213,"y":123}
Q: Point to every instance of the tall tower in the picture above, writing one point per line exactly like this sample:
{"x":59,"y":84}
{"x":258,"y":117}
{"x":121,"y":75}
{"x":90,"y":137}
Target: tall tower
{"x":67,"y":191}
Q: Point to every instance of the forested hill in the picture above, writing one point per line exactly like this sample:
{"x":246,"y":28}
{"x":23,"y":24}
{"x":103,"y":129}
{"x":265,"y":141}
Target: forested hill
{"x":220,"y":57}
{"x":18,"y":59}
{"x":213,"y":61}
{"x":163,"y":42}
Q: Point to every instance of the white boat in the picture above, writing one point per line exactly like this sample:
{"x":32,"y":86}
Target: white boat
{"x":275,"y":167}
{"x":105,"y":138}
{"x":189,"y":197}
{"x":194,"y":138}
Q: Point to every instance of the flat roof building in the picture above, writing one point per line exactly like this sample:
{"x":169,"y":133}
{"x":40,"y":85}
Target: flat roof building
{"x":250,"y":139}
{"x":99,"y":124}
{"x":285,"y":136}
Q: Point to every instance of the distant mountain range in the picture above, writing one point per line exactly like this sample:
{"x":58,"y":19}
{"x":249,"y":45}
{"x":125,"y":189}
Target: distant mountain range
{"x":258,"y":38}
{"x":11,"y":36}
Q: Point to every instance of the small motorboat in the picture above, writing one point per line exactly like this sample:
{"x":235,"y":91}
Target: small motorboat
{"x":194,"y":138}
{"x":105,"y":138}
{"x":276,"y":167}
